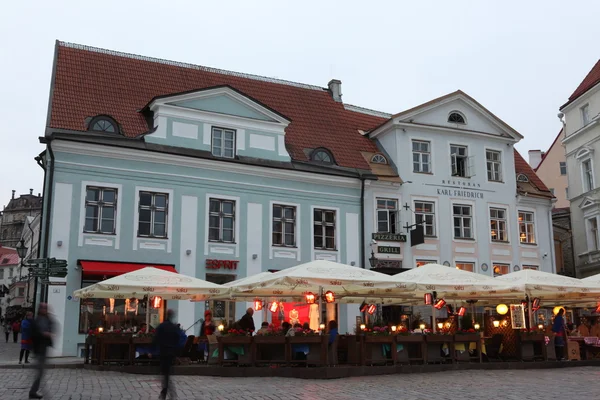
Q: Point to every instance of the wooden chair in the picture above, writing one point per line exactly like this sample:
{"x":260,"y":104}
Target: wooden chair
{"x":493,"y":346}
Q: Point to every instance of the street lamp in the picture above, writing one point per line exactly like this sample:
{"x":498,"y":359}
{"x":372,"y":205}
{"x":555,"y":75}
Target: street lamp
{"x":373,"y":260}
{"x":22,"y":252}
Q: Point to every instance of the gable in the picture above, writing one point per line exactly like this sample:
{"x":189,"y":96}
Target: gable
{"x":223,"y":104}
{"x":587,"y":203}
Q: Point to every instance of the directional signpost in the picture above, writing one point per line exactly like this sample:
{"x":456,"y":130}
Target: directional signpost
{"x":45,"y":268}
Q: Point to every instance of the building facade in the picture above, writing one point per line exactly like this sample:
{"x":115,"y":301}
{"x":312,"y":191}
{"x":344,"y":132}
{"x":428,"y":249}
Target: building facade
{"x":14,"y":215}
{"x":551,"y":168}
{"x":221,"y":175}
{"x":581,"y":119}
{"x":9,"y":269}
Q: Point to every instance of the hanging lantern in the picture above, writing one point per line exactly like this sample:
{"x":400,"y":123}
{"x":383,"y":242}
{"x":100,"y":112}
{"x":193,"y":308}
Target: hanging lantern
{"x":258,"y":305}
{"x":496,"y":323}
{"x":461,"y":311}
{"x":557,"y":309}
{"x":329,"y":296}
{"x":371,"y":309}
{"x":502,"y":309}
{"x":441,"y":303}
{"x":273,"y":307}
{"x":428,"y":299}
{"x":157,"y":302}
{"x":363,"y":307}
{"x":310,"y":298}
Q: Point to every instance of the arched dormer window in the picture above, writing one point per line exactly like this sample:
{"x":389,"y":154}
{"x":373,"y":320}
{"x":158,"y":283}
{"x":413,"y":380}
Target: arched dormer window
{"x":378,"y":159}
{"x":456,"y":117}
{"x":322,"y":155}
{"x":522,"y":178}
{"x":103,"y":123}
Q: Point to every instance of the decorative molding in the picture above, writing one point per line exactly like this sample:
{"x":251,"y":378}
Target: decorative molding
{"x":97,"y":241}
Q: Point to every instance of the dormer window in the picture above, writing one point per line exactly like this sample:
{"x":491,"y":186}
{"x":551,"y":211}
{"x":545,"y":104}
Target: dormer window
{"x":456,"y":118}
{"x":322,"y":156}
{"x":103,"y":124}
{"x":522,"y":178}
{"x":378,"y":159}
{"x":223,"y":142}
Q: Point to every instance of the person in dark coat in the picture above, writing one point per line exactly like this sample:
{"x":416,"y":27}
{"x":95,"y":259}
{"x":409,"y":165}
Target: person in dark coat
{"x":167,"y":340}
{"x":247,"y":322}
{"x":42,"y":331}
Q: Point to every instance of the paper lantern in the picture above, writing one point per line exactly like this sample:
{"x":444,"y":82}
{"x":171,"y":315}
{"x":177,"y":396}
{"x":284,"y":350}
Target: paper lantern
{"x":329,"y":296}
{"x":502,"y":309}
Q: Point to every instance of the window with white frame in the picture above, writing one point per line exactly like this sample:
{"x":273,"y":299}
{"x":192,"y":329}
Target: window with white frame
{"x":324,"y":229}
{"x":501,"y":269}
{"x":526,"y":227}
{"x":221,"y":220}
{"x":585,"y":114}
{"x":223,"y":142}
{"x":100,"y":210}
{"x":421,"y":151}
{"x":425,"y":216}
{"x":494,"y":165}
{"x":387,"y":216}
{"x":465,"y":266}
{"x":1,"y":273}
{"x":532,"y":267}
{"x":592,"y":233}
{"x":563,"y":167}
{"x":284,"y":225}
{"x":462,"y":164}
{"x":588,"y":175}
{"x":10,"y":273}
{"x":153,"y":209}
{"x":498,"y":230}
{"x":420,"y":263}
{"x":463,"y":221}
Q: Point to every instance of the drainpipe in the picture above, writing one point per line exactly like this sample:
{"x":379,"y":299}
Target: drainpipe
{"x":551,"y":229}
{"x":50,"y":160}
{"x":362,"y":221}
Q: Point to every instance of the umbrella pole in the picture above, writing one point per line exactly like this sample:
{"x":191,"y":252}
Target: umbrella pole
{"x":320,"y":306}
{"x":433,"y":324}
{"x":148,"y":314}
{"x":529,"y":312}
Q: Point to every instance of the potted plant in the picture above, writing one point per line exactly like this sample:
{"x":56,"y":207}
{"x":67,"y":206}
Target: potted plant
{"x":467,"y":335}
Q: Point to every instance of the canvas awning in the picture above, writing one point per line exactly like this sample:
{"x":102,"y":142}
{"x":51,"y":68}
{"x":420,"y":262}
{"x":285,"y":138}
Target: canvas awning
{"x":110,"y":269}
{"x":550,"y":286}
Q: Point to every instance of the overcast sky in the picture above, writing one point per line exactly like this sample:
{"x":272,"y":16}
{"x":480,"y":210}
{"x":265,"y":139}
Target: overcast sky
{"x":520,"y":59}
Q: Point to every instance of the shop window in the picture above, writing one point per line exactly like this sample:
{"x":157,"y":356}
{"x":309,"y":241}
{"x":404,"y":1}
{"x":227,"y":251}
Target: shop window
{"x":501,"y":269}
{"x":324,"y":224}
{"x":465,"y":266}
{"x":420,"y":263}
{"x":284,"y":225}
{"x":387,"y":216}
{"x":153,"y":214}
{"x":221,"y":221}
{"x":100,"y":210}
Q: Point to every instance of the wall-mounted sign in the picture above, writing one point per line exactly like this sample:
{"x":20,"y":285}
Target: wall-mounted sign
{"x":458,"y":188}
{"x":517,"y":316}
{"x":388,"y":250}
{"x":467,"y":194}
{"x":390,"y":237}
{"x":221,"y":264}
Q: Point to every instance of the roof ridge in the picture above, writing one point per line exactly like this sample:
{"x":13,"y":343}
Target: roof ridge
{"x":188,"y":65}
{"x":364,"y":110}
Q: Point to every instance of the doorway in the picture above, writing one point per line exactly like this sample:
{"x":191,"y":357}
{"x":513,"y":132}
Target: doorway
{"x":223,"y":311}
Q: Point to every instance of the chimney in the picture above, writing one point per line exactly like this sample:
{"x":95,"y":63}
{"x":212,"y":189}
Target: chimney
{"x":335,"y":88}
{"x":535,"y":158}
{"x":13,"y":195}
{"x":31,"y":192}
{"x":39,"y":195}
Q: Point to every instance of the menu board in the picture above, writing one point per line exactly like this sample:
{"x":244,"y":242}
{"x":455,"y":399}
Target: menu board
{"x":517,"y":316}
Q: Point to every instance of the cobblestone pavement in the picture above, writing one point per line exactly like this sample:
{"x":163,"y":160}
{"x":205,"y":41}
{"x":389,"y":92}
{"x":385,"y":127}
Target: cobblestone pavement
{"x":574,"y":383}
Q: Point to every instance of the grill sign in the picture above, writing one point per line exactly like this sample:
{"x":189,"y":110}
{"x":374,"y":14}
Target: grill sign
{"x":388,"y":250}
{"x":221,"y":264}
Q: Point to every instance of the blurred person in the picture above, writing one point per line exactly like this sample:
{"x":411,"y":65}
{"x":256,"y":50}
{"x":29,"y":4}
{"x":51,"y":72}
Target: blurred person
{"x":16,"y":328}
{"x":26,"y":341}
{"x":42,"y":329}
{"x":7,"y":330}
{"x":264,"y":328}
{"x":167,"y":339}
{"x":559,"y":329}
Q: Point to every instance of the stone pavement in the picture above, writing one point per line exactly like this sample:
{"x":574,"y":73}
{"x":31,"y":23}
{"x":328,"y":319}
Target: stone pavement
{"x":9,"y":354}
{"x":548,"y":384}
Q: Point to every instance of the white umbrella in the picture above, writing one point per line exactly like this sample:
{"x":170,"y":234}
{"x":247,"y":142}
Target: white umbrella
{"x":550,"y":286}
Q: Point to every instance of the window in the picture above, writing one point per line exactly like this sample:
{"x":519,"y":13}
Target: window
{"x":567,"y":192}
{"x":387,"y":216}
{"x":463,"y":221}
{"x":585,"y":114}
{"x":221,"y":225}
{"x":588,"y":175}
{"x":593,"y":237}
{"x":563,"y":167}
{"x":501,"y":269}
{"x":153,"y":214}
{"x":378,"y":159}
{"x":533,"y":267}
{"x":103,"y":124}
{"x":322,"y":156}
{"x":21,"y":292}
{"x":498,"y":225}
{"x":223,"y":142}
{"x":10,"y":273}
{"x":526,"y":227}
{"x":460,"y":161}
{"x":100,"y":210}
{"x":324,"y":229}
{"x":284,"y":225}
{"x":522,"y":178}
{"x":421,"y":156}
{"x":1,"y":273}
{"x":420,"y":263}
{"x":494,"y":165}
{"x":465,"y":266}
{"x":425,"y":215}
{"x":456,"y":118}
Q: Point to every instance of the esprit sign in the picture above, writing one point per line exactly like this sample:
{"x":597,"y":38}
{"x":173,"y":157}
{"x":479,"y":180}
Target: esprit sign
{"x":221,"y":264}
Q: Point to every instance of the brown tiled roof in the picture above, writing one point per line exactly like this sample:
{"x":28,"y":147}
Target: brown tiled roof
{"x":591,"y":80}
{"x":522,"y":167}
{"x":90,"y":82}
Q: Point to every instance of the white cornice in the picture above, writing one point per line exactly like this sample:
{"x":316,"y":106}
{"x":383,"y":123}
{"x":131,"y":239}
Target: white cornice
{"x":437,"y":128}
{"x":121,"y":153}
{"x":581,"y":99}
{"x":593,"y":123}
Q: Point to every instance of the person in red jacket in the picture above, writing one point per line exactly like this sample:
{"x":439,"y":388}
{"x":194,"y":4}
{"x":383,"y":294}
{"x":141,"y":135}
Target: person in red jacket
{"x":16,"y":328}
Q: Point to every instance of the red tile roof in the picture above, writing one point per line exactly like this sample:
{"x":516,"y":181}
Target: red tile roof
{"x":522,"y":167}
{"x":591,"y":80}
{"x":8,"y":256}
{"x":89,"y":82}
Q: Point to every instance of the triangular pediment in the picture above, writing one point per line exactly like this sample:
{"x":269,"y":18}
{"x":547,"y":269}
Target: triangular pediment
{"x":587,"y":203}
{"x":221,"y":100}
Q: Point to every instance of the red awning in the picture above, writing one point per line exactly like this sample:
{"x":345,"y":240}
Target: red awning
{"x":104,"y":268}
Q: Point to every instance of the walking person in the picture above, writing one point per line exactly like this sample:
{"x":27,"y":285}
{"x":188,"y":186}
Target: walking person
{"x":42,"y":329}
{"x":167,"y":340}
{"x":7,"y":330}
{"x":16,"y":328}
{"x":560,"y":332}
{"x":26,"y":341}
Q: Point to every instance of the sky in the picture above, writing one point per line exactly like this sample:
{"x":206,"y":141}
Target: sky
{"x":520,"y":59}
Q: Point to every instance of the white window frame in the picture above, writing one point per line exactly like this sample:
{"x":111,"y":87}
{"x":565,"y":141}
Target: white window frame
{"x":434,"y":213}
{"x":535,"y":232}
{"x":397,"y":215}
{"x":101,"y":239}
{"x":100,"y":206}
{"x":234,"y":216}
{"x":592,"y":235}
{"x":461,"y":262}
{"x":152,"y":215}
{"x":585,"y":114}
{"x":587,"y":186}
{"x":461,"y":259}
{"x":562,"y":164}
{"x":420,"y":153}
{"x":531,"y":267}
{"x":222,"y":247}
{"x":506,"y":219}
{"x":295,"y":222}
{"x":497,"y":166}
{"x":472,"y":227}
{"x":283,"y":251}
{"x":470,"y":161}
{"x":500,"y":264}
{"x":324,"y":225}
{"x":160,"y":243}
{"x":338,"y":224}
{"x":221,"y":154}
